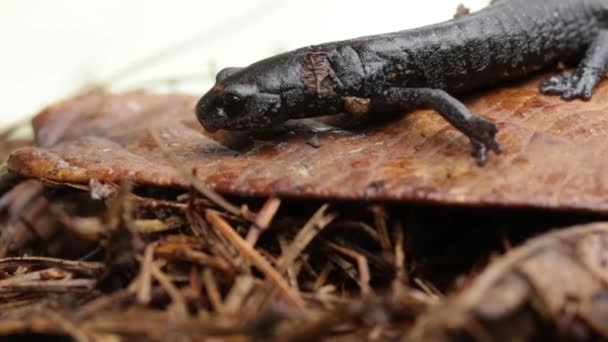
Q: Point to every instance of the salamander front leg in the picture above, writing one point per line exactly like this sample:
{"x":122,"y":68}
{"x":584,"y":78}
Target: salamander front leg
{"x":581,"y":82}
{"x":480,"y":131}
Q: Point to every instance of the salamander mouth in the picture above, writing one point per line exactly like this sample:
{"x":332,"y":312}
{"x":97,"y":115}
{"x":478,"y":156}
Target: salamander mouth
{"x":237,"y":124}
{"x":215,"y":119}
{"x":210,"y":126}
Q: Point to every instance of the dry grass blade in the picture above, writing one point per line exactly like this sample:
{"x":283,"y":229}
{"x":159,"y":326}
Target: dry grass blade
{"x":428,"y":288}
{"x":217,"y":244}
{"x":194,"y":281}
{"x":254,"y":257}
{"x":315,"y":224}
{"x":177,"y":298}
{"x":207,"y":260}
{"x":152,"y":226}
{"x":81,"y":267}
{"x":323,"y":276}
{"x":294,"y":268}
{"x":362,"y":266}
{"x":266,"y":214}
{"x":50,"y":286}
{"x":213,"y":196}
{"x":144,"y":280}
{"x":380,"y":220}
{"x":346,"y":267}
{"x":32,"y":277}
{"x":263,"y":220}
{"x":238,"y":294}
{"x":400,"y":270}
{"x":42,"y":275}
{"x":213,"y":292}
{"x":185,"y":251}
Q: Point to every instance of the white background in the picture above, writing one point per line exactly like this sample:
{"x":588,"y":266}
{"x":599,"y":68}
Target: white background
{"x":51,"y":49}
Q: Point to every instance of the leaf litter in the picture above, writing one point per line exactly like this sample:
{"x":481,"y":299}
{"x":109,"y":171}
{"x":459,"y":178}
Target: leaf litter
{"x":92,"y":255}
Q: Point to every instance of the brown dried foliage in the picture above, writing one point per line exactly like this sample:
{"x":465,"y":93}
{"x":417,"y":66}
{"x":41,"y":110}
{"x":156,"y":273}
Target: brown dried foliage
{"x":553,"y":152}
{"x":116,"y":238}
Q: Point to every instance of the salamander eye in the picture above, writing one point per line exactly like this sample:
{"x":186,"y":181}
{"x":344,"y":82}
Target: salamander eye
{"x":231,"y":99}
{"x":233,"y":104}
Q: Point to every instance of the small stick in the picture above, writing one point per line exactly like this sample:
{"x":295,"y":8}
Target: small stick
{"x":315,"y":224}
{"x":207,"y":260}
{"x":293,"y":269}
{"x":362,"y":265}
{"x":428,"y":288}
{"x":262,"y":220}
{"x":238,"y":293}
{"x":42,"y":276}
{"x":51,"y":286}
{"x":256,"y":259}
{"x":380,"y":220}
{"x":176,"y":296}
{"x":322,"y":278}
{"x":213,"y":292}
{"x":194,"y":279}
{"x":88,"y":268}
{"x":145,"y":275}
{"x":401,"y":273}
{"x":346,"y":267}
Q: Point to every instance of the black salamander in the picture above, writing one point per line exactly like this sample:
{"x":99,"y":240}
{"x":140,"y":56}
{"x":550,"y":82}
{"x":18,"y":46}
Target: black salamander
{"x":423,"y":67}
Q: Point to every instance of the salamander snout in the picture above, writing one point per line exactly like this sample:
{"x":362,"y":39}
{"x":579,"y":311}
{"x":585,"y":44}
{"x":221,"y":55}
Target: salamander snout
{"x":210,"y":113}
{"x":238,"y":106}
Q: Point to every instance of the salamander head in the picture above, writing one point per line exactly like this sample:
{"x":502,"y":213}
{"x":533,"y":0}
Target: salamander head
{"x":238,"y":102}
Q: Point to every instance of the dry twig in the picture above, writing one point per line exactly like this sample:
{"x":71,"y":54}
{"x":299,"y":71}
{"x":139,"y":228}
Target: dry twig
{"x":315,"y":224}
{"x":256,"y":259}
{"x":263,"y":220}
{"x":362,"y":266}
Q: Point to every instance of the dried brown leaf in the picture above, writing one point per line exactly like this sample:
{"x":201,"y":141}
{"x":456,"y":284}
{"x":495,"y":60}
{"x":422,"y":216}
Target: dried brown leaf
{"x":553,"y":152}
{"x":557,"y":278}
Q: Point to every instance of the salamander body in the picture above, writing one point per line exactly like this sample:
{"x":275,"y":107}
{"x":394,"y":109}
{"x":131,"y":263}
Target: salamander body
{"x":424,"y":67}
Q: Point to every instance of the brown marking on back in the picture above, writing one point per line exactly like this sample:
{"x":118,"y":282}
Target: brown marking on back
{"x":317,"y":74}
{"x":356,"y":105}
{"x":462,"y":11}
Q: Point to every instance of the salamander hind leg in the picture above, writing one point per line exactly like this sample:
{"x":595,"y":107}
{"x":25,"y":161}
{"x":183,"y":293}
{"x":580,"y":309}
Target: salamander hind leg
{"x":480,"y":131}
{"x":580,"y":83}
